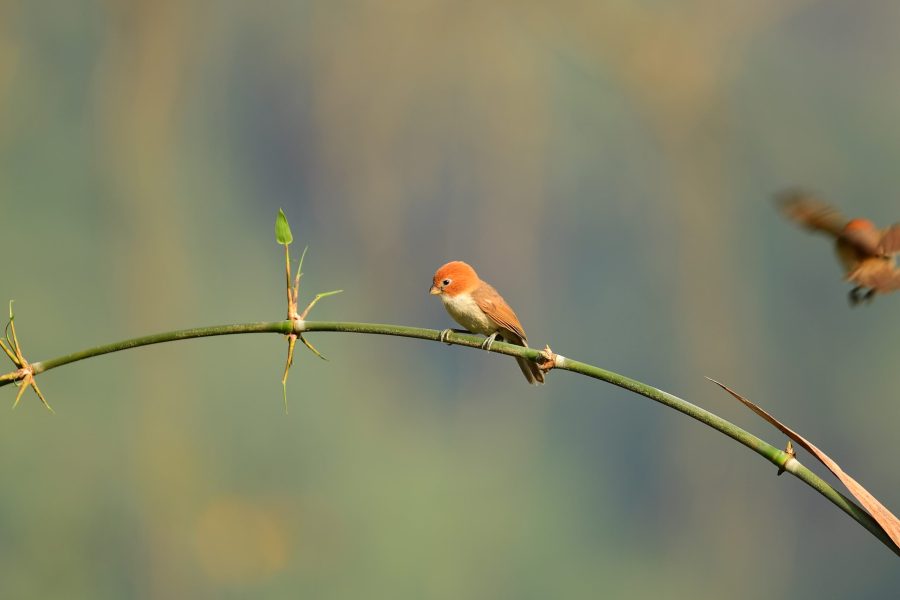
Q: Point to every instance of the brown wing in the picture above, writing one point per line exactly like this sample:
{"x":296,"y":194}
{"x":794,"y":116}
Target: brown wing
{"x":810,"y":212}
{"x":890,"y":241}
{"x":499,"y":312}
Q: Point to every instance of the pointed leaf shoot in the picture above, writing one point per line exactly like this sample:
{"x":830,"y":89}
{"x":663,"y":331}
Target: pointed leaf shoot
{"x":282,"y":230}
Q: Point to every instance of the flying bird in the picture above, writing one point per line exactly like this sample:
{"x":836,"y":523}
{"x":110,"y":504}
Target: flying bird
{"x":478,"y":307}
{"x":866,"y":252}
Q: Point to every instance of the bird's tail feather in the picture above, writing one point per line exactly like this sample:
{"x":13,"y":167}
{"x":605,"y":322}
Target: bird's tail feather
{"x":530,"y":369}
{"x":532,"y":372}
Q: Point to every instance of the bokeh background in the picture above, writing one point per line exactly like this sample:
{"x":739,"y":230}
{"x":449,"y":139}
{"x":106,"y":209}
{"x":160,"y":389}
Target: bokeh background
{"x":608,"y":165}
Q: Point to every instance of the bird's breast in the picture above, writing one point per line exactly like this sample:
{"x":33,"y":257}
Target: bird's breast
{"x":467,"y":313}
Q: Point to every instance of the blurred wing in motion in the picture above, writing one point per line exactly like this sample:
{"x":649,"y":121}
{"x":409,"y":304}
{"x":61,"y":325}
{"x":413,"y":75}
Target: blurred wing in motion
{"x":810,"y":212}
{"x":863,"y":236}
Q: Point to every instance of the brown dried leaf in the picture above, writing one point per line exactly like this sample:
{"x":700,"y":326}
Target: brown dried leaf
{"x":879,"y":512}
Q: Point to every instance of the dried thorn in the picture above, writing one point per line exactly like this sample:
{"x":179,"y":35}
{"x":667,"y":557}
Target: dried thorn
{"x":316,"y":299}
{"x":12,"y":376}
{"x":299,"y":271}
{"x":24,"y":377}
{"x":37,"y":391}
{"x":292,"y":340}
{"x":789,"y":450}
{"x":311,"y":347}
{"x":10,"y":354}
{"x":23,"y":384}
{"x":15,"y":343}
{"x":9,"y":342}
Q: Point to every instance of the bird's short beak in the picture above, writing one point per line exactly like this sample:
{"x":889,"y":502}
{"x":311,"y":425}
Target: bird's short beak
{"x":434,"y":290}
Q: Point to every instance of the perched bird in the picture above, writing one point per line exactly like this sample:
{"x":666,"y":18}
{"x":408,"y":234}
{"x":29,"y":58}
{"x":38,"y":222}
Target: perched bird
{"x":866,"y":252}
{"x":479,"y":308}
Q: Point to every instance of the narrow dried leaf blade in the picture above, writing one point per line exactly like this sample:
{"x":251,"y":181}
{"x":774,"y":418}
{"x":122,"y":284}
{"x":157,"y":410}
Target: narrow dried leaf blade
{"x":879,"y":512}
{"x":282,"y":229}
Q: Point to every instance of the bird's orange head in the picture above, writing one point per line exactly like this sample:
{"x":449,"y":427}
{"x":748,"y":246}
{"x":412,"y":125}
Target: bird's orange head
{"x":454,"y":278}
{"x":859,"y":225}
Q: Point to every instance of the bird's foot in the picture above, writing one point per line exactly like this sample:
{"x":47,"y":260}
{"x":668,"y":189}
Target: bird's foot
{"x":857,"y":296}
{"x":448,"y":331}
{"x":548,"y":359}
{"x":489,"y":342}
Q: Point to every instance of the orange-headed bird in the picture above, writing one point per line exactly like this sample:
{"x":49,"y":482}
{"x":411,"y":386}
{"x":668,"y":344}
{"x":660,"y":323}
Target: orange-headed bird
{"x":478,"y":307}
{"x":866,"y":252}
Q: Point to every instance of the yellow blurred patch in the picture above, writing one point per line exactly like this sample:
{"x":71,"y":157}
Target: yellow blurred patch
{"x":239,"y":542}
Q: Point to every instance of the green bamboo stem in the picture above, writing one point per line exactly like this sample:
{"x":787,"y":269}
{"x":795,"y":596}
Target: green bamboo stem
{"x":777,"y":457}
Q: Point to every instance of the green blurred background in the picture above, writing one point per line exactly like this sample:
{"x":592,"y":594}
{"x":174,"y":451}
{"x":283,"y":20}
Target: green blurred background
{"x":607,"y":165}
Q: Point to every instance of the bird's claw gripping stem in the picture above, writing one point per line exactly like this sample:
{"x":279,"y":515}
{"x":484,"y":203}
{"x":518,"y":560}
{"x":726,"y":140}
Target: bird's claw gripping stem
{"x":486,"y":345}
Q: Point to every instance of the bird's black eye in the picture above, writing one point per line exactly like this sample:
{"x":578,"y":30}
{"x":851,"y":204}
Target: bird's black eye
{"x":445,"y":282}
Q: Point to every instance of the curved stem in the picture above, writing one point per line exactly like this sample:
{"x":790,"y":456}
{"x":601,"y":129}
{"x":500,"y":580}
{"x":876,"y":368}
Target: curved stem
{"x":767,"y":451}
